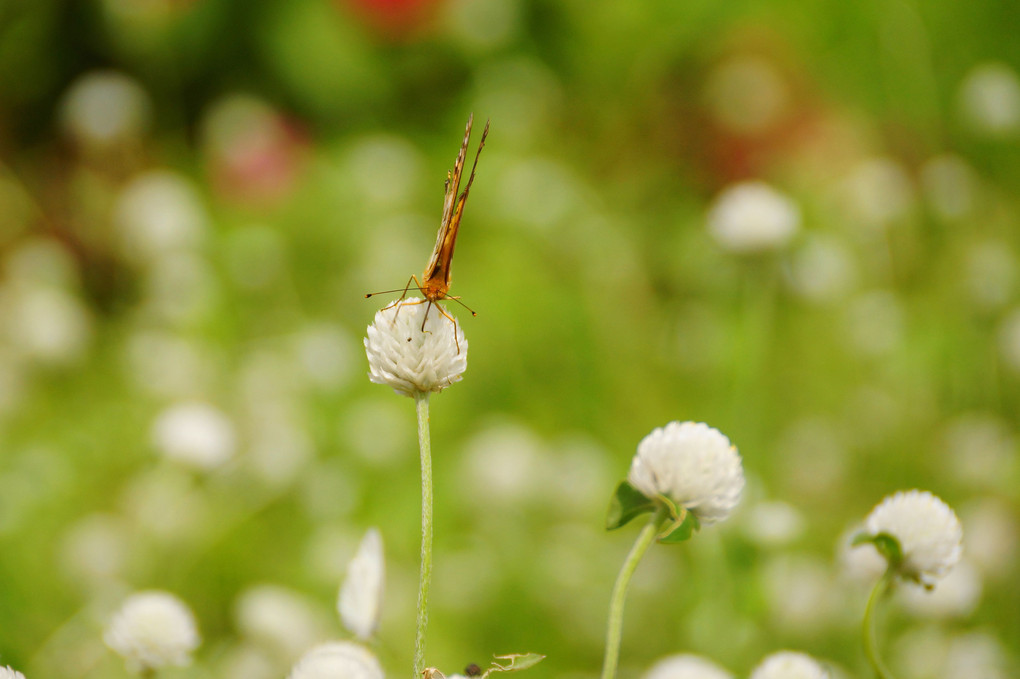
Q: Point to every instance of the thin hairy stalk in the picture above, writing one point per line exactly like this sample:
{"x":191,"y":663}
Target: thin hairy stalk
{"x":870,"y":638}
{"x":614,"y":629}
{"x":421,"y":404}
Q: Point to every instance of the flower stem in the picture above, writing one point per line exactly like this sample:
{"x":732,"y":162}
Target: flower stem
{"x":870,"y":639}
{"x":421,"y":404}
{"x":614,"y":629}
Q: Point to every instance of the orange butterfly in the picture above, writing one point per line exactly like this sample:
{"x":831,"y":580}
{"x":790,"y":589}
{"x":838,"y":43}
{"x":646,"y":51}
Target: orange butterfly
{"x":435,"y":282}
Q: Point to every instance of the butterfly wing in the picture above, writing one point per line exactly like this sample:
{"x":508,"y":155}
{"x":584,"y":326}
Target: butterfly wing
{"x":437,"y":272}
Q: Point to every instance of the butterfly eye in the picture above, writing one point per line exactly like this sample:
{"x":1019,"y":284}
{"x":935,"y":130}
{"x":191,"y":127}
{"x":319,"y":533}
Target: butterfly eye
{"x":472,"y":670}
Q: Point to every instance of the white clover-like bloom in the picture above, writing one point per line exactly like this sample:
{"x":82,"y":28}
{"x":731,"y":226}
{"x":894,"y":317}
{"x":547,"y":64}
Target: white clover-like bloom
{"x":152,"y":630}
{"x":753,"y":217}
{"x":692,"y":464}
{"x":789,"y":665}
{"x":337,"y":660}
{"x":686,"y":666}
{"x":360,"y":601}
{"x":409,"y":360}
{"x":195,"y":433}
{"x":8,"y":673}
{"x":927,"y":530}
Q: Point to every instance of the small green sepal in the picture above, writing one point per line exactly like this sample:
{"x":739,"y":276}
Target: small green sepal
{"x":678,"y":525}
{"x":626,"y":504}
{"x":886,"y":544}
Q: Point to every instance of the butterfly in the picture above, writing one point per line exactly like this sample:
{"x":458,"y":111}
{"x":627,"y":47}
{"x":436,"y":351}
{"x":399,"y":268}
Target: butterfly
{"x":435,"y":281}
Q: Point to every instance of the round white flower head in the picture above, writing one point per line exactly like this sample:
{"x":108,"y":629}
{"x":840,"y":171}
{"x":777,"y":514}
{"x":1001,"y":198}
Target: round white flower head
{"x":337,"y":660}
{"x":752,"y":217}
{"x":789,"y":665}
{"x":409,"y":360}
{"x":686,"y":666}
{"x":692,"y":464}
{"x":360,"y":601}
{"x":8,"y":673}
{"x":153,"y":629}
{"x":927,"y":530}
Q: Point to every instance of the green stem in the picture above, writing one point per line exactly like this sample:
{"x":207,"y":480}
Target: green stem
{"x":870,"y":638}
{"x":614,"y":629}
{"x":421,"y":404}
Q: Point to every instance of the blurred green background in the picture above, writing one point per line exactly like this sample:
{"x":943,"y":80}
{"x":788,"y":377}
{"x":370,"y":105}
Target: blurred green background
{"x":196,"y":194}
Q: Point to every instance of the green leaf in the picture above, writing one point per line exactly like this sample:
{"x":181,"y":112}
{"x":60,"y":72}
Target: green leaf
{"x":679,"y":525}
{"x":627,"y":503}
{"x":513,"y":662}
{"x":886,"y":544}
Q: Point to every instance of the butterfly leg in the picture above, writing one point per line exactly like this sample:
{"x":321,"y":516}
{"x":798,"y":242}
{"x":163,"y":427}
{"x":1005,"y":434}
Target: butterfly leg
{"x":412,"y":279}
{"x":453,"y":320}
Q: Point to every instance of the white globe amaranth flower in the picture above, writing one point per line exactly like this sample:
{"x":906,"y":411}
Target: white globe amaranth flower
{"x":153,"y":629}
{"x":360,"y":601}
{"x":337,"y":660}
{"x":927,"y":530}
{"x":790,"y":665}
{"x":196,"y":434}
{"x":9,"y":673}
{"x":753,"y":217}
{"x":686,"y":666}
{"x":693,"y":465}
{"x":408,"y":360}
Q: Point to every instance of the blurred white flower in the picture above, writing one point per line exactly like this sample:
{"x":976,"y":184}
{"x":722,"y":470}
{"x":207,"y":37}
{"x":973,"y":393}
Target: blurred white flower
{"x":1009,"y":339}
{"x":773,"y":524}
{"x":990,"y":273}
{"x":325,"y":353}
{"x":927,"y":530}
{"x":152,"y":630}
{"x":800,"y":593}
{"x":96,"y":548}
{"x":746,"y":94}
{"x":383,"y":169}
{"x":874,"y":323}
{"x":335,"y":660}
{"x":973,"y":655}
{"x":823,"y":270}
{"x":196,"y":434}
{"x":42,"y":261}
{"x":483,"y":27}
{"x":692,"y":464}
{"x":8,"y":673}
{"x":505,"y":458}
{"x":992,"y":536}
{"x":278,"y":619}
{"x":752,"y":217}
{"x":360,"y":601}
{"x":408,"y":360}
{"x":878,"y":191}
{"x":956,"y":595}
{"x":950,"y":186}
{"x":981,"y":449}
{"x":789,"y":665}
{"x":158,"y":213}
{"x":989,"y":100}
{"x":686,"y":666}
{"x":104,"y":107}
{"x":46,"y":324}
